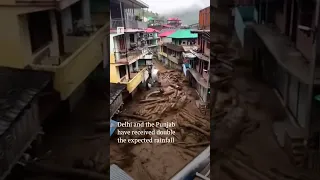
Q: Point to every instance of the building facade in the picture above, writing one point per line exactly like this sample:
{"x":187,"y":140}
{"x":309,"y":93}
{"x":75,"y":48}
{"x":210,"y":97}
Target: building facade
{"x":69,"y":43}
{"x":279,"y":39}
{"x":127,"y":48}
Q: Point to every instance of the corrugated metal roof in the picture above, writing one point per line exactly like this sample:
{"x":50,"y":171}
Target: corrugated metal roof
{"x":167,"y":33}
{"x":18,"y":88}
{"x":183,"y":34}
{"x":115,"y":91}
{"x":151,"y":30}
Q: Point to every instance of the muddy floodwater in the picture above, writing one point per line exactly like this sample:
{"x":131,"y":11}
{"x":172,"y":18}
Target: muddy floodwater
{"x":176,"y":128}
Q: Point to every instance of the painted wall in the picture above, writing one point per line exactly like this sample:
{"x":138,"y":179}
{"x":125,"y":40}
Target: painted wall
{"x":204,"y":18}
{"x":15,"y":39}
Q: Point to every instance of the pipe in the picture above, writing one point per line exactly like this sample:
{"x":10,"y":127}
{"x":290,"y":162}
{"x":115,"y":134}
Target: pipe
{"x":196,"y":165}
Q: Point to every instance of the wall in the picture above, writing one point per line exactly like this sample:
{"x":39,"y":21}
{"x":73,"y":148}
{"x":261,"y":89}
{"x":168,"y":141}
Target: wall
{"x":305,"y":44}
{"x":204,"y":18}
{"x":14,"y":52}
{"x":66,"y":18}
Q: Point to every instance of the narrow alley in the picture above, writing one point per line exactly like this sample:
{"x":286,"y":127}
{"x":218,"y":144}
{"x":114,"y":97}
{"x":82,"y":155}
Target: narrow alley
{"x":172,"y":100}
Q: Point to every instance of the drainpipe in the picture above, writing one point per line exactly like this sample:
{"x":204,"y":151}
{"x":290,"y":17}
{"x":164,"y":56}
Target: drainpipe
{"x":315,"y":57}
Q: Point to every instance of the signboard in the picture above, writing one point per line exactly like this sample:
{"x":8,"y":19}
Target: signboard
{"x":120,"y":30}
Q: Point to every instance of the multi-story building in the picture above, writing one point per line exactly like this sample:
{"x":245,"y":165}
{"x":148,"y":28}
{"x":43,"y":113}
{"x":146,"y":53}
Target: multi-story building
{"x":128,"y":49}
{"x":152,"y":39}
{"x":175,"y":22}
{"x":204,"y":18}
{"x":182,"y":40}
{"x":280,"y":40}
{"x":57,"y":36}
{"x":197,"y":63}
{"x":163,"y":35}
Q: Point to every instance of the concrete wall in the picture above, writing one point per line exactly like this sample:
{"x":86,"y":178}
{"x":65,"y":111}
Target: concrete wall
{"x":15,"y":38}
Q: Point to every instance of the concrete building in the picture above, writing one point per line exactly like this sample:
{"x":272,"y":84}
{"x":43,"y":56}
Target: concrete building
{"x":204,"y":18}
{"x":279,"y":38}
{"x":152,"y":39}
{"x":182,"y":40}
{"x":198,"y":66}
{"x":56,"y":36}
{"x":127,"y":48}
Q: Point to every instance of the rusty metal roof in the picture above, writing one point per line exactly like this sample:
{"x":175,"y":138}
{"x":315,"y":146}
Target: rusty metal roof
{"x":115,"y":90}
{"x":18,"y":87}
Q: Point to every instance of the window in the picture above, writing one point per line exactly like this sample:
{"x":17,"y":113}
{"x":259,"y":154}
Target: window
{"x":39,"y":37}
{"x":122,"y":71}
{"x":306,"y":13}
{"x":131,"y":38}
{"x":208,"y":45}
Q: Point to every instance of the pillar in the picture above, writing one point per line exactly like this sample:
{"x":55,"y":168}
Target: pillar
{"x":54,"y":48}
{"x":86,"y":12}
{"x":66,"y":20}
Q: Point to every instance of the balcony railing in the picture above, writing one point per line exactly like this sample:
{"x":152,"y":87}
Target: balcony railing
{"x":132,"y":24}
{"x":76,"y":68}
{"x":174,"y":59}
{"x":135,"y":81}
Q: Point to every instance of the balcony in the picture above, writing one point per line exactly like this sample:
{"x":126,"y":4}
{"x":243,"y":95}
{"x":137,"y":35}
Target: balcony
{"x":129,"y":57}
{"x":163,"y":54}
{"x":174,"y":59}
{"x":129,"y":24}
{"x":76,"y":67}
{"x":202,"y":80}
{"x":243,"y":16}
{"x":136,"y":79}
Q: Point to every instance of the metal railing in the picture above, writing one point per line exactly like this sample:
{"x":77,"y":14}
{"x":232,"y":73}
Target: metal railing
{"x":127,"y":23}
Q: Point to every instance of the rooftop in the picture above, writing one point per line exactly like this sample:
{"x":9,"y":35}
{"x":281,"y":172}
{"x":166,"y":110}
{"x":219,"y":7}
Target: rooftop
{"x":166,"y":33}
{"x":183,"y":34}
{"x":18,"y":89}
{"x":115,"y":91}
{"x":151,"y":30}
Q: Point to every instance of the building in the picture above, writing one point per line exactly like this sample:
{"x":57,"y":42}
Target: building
{"x":163,"y":35}
{"x":122,"y":14}
{"x":280,"y":41}
{"x":55,"y":36}
{"x":175,"y":22}
{"x":25,"y":103}
{"x":152,"y":39}
{"x":204,"y":18}
{"x":128,"y":48}
{"x":197,"y":64}
{"x":182,"y":40}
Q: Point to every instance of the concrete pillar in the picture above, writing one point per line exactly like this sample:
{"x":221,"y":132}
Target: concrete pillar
{"x":54,"y":48}
{"x":66,"y":18}
{"x":86,"y":13}
{"x":25,"y":39}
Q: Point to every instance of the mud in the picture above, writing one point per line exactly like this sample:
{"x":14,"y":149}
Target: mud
{"x":162,"y":161}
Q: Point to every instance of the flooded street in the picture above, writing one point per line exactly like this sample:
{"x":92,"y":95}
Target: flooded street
{"x":173,"y":104}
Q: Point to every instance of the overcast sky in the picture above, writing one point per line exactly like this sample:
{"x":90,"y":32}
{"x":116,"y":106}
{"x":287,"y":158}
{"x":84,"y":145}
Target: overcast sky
{"x":171,"y":6}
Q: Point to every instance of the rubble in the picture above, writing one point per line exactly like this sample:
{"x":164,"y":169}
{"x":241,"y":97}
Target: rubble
{"x":172,"y":101}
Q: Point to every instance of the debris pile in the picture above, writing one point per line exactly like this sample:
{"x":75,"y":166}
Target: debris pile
{"x":171,"y":103}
